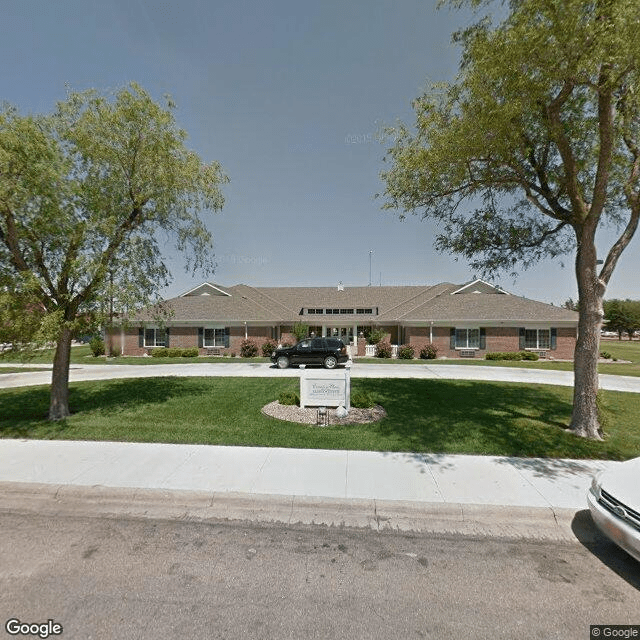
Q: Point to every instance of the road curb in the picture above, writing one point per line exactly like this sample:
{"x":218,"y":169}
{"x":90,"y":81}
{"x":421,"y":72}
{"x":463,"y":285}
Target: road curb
{"x":508,"y":522}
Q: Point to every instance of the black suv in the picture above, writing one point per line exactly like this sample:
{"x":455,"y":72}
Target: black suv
{"x":329,"y":352}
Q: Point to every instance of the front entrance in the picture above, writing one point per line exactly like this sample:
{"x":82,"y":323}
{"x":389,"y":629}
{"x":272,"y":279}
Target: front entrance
{"x":346,"y":334}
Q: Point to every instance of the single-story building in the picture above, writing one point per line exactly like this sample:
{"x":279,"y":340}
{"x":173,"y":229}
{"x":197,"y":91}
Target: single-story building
{"x":466,"y":320}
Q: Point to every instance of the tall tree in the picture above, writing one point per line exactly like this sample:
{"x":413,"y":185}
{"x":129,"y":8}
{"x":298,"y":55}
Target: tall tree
{"x":622,"y":316}
{"x":89,"y":195}
{"x":532,"y":150}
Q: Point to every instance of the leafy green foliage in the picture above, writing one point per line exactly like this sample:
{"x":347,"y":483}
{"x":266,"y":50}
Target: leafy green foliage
{"x":532,"y":150}
{"x":268,"y":347}
{"x":190,"y":353}
{"x":383,"y":350}
{"x":406,"y":352}
{"x":289,"y":398}
{"x":84,"y":192}
{"x":429,"y":352}
{"x":375,"y":336}
{"x":622,"y":316}
{"x":300,"y":330}
{"x":248,"y":349}
{"x":512,"y":355}
{"x":96,"y":344}
{"x":362,"y":400}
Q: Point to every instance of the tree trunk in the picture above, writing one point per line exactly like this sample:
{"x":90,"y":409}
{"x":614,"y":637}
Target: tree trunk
{"x":584,"y":419}
{"x":59,"y":403}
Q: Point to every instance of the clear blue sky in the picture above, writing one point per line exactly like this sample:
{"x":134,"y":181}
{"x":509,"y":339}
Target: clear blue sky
{"x":288,"y":96}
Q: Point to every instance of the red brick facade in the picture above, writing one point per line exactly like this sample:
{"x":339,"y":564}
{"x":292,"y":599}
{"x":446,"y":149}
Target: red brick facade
{"x":496,"y":339}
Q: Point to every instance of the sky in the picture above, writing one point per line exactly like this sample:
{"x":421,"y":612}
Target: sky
{"x":289,"y":97}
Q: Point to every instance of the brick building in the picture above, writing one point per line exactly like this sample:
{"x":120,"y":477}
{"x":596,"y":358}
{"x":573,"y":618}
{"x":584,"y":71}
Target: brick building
{"x":460,"y":320}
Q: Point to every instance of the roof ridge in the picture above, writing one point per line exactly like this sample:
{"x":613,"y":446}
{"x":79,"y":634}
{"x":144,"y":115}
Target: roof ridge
{"x":437,"y":295}
{"x":284,"y":306}
{"x":411,"y":298}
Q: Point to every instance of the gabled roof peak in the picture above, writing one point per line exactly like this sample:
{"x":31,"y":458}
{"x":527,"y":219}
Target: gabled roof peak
{"x":480,"y":286}
{"x":205,"y":289}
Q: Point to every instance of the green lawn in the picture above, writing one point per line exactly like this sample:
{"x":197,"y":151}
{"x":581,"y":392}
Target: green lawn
{"x":423,"y":416}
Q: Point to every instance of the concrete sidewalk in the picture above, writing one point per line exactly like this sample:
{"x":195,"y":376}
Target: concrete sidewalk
{"x":511,"y":496}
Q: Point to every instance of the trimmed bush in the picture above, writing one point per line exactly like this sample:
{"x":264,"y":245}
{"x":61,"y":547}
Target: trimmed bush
{"x":430,"y":352}
{"x":289,"y":398}
{"x":375,"y":336}
{"x":512,"y":355}
{"x":383,"y":350}
{"x":190,"y":353}
{"x":248,"y":349}
{"x":96,"y":345}
{"x":268,"y":348}
{"x":159,"y":352}
{"x":406,"y":352}
{"x":362,"y":400}
{"x":233,"y":354}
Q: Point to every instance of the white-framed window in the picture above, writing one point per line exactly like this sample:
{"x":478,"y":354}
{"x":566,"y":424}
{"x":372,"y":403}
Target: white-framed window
{"x":155,"y":337}
{"x":214,"y":338}
{"x":537,"y":339}
{"x":468,"y":338}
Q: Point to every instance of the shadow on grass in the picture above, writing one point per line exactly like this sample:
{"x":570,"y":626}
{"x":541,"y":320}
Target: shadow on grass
{"x":24,"y":411}
{"x":483,"y":418}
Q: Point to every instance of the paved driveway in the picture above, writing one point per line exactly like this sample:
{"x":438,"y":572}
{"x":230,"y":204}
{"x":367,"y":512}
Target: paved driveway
{"x":264,"y":370}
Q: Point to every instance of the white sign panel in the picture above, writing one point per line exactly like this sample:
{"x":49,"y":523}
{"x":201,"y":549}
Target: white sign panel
{"x":325,"y":389}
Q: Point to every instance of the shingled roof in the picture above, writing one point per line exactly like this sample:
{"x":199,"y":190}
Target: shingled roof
{"x":445,"y":302}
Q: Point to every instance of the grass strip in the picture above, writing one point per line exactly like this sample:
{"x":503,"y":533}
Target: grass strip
{"x":424,"y":416}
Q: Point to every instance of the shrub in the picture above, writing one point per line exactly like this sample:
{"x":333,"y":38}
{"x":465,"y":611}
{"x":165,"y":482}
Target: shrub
{"x":300,"y":330}
{"x":383,"y":350}
{"x":190,"y":353}
{"x":606,"y":355}
{"x":115,"y":352}
{"x":512,"y":355}
{"x":289,"y":398}
{"x":430,"y":352}
{"x":174,"y":352}
{"x":248,"y":349}
{"x":233,"y":354}
{"x":96,"y":344}
{"x":406,"y":352}
{"x":375,"y":336}
{"x":268,"y":348}
{"x":362,"y":400}
{"x":160,"y":352}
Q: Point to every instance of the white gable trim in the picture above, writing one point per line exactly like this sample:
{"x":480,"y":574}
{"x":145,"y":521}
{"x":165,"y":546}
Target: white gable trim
{"x":479,"y":281}
{"x":215,"y":290}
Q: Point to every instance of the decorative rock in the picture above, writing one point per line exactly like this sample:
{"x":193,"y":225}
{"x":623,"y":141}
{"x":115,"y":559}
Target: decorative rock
{"x":341,"y":412}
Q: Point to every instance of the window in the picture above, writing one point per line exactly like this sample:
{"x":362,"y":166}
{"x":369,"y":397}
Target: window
{"x":215,"y":338}
{"x":346,"y":311}
{"x":467,"y":338}
{"x":312,"y":312}
{"x":155,"y":337}
{"x":368,"y":311}
{"x":537,"y":338}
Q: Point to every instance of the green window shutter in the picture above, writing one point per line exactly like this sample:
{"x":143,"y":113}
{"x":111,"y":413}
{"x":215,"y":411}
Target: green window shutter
{"x":483,"y":338}
{"x":452,"y":338}
{"x":554,"y":338}
{"x":227,"y":335}
{"x":522,"y":338}
{"x":141,"y":337}
{"x":200,"y":337}
{"x":166,"y":340}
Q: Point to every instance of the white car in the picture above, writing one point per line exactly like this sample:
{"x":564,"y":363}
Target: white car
{"x":614,"y":502}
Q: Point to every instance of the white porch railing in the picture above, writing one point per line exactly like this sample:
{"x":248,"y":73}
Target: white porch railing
{"x":370,"y":351}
